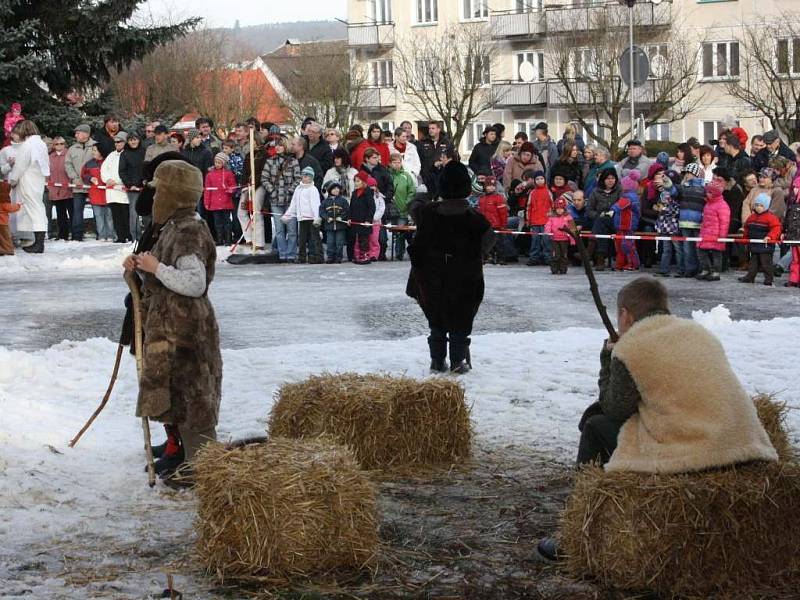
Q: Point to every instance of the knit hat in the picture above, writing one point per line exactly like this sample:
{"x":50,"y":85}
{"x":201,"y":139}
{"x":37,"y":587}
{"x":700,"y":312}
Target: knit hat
{"x":84,"y":128}
{"x":770,"y":136}
{"x":714,"y":190}
{"x":655,"y":168}
{"x":362,"y":176}
{"x":767,"y":172}
{"x":191,"y":134}
{"x":121,"y":136}
{"x":223,"y":157}
{"x":372,"y":182}
{"x":605,"y":173}
{"x":178,"y":186}
{"x":455,"y":181}
{"x":559,"y":202}
{"x":567,"y":197}
{"x":633,"y":143}
{"x":490,"y":180}
{"x":527,"y":147}
{"x":330,"y":185}
{"x":662,"y":158}
{"x":763,"y":199}
{"x":692,"y":168}
{"x":537,"y":174}
{"x":741,"y":134}
{"x":630,"y":183}
{"x":307,"y":172}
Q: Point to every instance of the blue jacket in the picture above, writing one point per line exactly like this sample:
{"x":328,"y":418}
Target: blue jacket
{"x":334,"y":207}
{"x":627,"y":212}
{"x":581,"y":217}
{"x":692,"y":199}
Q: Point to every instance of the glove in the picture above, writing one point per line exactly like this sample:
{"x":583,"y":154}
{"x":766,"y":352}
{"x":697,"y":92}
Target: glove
{"x":610,"y":213}
{"x":285,"y":219}
{"x":330,"y":219}
{"x":317,"y":222}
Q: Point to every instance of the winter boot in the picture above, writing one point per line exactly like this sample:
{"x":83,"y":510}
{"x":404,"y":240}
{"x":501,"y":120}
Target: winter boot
{"x":460,"y":359}
{"x":170,"y":447}
{"x":713,"y":276}
{"x":37,"y":247}
{"x":168,"y":464}
{"x":600,"y":262}
{"x":702,"y":275}
{"x":438,"y":347}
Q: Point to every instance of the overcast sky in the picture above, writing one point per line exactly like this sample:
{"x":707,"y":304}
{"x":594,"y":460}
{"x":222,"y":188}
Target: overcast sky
{"x":223,"y":13}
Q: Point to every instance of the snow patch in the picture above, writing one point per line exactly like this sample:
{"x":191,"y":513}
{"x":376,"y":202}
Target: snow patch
{"x":717,"y":318}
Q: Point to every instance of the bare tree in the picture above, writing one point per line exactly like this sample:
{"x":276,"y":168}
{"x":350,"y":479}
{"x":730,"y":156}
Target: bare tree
{"x":585,"y":74}
{"x":769,"y":79}
{"x":445,"y":77}
{"x":321,"y":85}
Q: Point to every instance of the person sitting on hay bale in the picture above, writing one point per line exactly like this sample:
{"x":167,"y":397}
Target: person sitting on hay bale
{"x":446,"y":276}
{"x":181,"y":377}
{"x":669,"y":400}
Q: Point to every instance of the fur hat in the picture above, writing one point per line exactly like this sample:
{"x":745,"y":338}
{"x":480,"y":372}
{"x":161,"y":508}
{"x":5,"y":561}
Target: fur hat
{"x":455,"y":181}
{"x":527,"y":147}
{"x":307,"y":172}
{"x":630,"y":183}
{"x":178,"y":186}
{"x":223,"y":157}
{"x":692,"y":168}
{"x":763,"y":199}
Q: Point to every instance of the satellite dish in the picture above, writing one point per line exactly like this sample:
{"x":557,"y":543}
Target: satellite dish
{"x":658,"y":66}
{"x":656,"y":1}
{"x":527,"y":72}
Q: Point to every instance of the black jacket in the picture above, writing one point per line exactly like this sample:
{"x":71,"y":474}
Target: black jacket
{"x":735,"y":164}
{"x":761,"y":159}
{"x":384,"y":179}
{"x":571,"y":171}
{"x":309,"y":161}
{"x":105,"y":143}
{"x":131,"y":163}
{"x":199,"y":157}
{"x":480,"y":161}
{"x":362,"y":210}
{"x":429,"y":152}
{"x":322,"y":152}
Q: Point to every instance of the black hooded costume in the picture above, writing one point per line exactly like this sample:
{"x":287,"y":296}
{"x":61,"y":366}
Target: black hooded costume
{"x":446,"y":275}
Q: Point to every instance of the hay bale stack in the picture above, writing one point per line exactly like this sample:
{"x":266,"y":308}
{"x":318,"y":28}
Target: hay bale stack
{"x":390,"y":423}
{"x":283,"y":510}
{"x":772,"y":415}
{"x":728,"y":531}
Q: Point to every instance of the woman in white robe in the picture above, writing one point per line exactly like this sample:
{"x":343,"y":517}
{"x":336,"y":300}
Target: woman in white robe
{"x":28,"y":179}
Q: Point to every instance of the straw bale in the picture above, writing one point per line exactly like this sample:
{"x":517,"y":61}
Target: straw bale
{"x":283,"y":510}
{"x":731,"y":532}
{"x":390,"y":423}
{"x":773,"y":417}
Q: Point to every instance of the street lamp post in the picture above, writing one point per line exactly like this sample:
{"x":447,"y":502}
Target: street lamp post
{"x":630,"y":4}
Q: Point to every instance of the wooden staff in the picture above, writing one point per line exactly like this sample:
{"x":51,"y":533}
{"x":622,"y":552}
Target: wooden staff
{"x":252,"y":188}
{"x":105,"y":398}
{"x":133,"y":285}
{"x":573,"y":232}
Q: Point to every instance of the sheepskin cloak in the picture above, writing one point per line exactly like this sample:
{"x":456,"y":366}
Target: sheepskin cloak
{"x":694,"y":412}
{"x":182,"y":370}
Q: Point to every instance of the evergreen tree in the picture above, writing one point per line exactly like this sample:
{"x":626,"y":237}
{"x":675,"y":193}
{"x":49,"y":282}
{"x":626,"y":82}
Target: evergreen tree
{"x":51,"y":49}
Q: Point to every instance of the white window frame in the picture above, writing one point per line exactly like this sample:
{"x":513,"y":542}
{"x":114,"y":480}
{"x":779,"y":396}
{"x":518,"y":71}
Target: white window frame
{"x":715,"y":66}
{"x":526,"y":6}
{"x":527,"y":125}
{"x":576,"y":69}
{"x":586,"y":137}
{"x":387,"y":126}
{"x":486,"y":72}
{"x":792,"y":47}
{"x":663,"y":132}
{"x":475,"y":6}
{"x":537,"y":62}
{"x":426,"y":77}
{"x":381,"y":73}
{"x":425,"y":12}
{"x":474,"y":133}
{"x":701,"y":127}
{"x":381,"y":11}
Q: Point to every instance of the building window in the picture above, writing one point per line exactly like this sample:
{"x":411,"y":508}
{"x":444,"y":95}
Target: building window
{"x":425,"y":77}
{"x":474,"y":134}
{"x":528,"y":127}
{"x":721,"y":60}
{"x":658,"y":132}
{"x":427,"y":11}
{"x":788,"y":51}
{"x":584,"y":64}
{"x":524,"y":6}
{"x":709,"y":130}
{"x":480,"y":72}
{"x":382,"y":73}
{"x":584,"y":132}
{"x":387,"y":126}
{"x":529,"y":66}
{"x":472,"y":10}
{"x":381,"y":11}
{"x":659,"y":64}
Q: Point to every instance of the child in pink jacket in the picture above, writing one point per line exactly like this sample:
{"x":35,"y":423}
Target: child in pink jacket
{"x":220,"y":183}
{"x":556,"y":221}
{"x":716,"y":220}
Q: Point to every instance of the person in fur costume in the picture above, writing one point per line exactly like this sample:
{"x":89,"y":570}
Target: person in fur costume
{"x":669,"y":400}
{"x":181,"y":377}
{"x":446,"y":277}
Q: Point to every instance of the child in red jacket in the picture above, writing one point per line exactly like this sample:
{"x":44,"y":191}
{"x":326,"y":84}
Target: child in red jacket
{"x":540,"y":203}
{"x":6,"y":245}
{"x":493,"y":206}
{"x":220,"y":183}
{"x":760,"y":225}
{"x":556,"y":222}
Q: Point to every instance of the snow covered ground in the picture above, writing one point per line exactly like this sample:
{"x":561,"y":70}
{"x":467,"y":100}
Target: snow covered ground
{"x":69,"y":517}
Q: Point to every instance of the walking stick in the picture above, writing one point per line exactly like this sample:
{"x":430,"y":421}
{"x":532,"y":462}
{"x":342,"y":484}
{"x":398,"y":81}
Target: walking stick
{"x":252,"y":189}
{"x":133,"y":285}
{"x":100,"y":408}
{"x":573,"y":232}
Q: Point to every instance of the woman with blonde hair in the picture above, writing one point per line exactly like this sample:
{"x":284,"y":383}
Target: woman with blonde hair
{"x":500,"y":159}
{"x":28,"y":179}
{"x":571,"y":136}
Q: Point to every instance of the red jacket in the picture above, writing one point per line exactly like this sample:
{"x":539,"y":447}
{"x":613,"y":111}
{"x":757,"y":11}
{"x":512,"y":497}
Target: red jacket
{"x":58,"y":174}
{"x":97,"y":197}
{"x":357,"y":155}
{"x":760,"y":226}
{"x":383,"y":150}
{"x":495,"y":209}
{"x":5,"y":209}
{"x":220,"y":198}
{"x":540,"y":203}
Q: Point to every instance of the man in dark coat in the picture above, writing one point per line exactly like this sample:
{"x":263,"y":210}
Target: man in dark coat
{"x":775,"y":147}
{"x":430,"y":151}
{"x":480,"y":161}
{"x":446,"y":275}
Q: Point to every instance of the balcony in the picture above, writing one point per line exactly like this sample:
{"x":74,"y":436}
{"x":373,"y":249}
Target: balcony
{"x":564,"y":19}
{"x":377,"y":99}
{"x":557,"y":96}
{"x":370,"y":35}
{"x":511,"y":94}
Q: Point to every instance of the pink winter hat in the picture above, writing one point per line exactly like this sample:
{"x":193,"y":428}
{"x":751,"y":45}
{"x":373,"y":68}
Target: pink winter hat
{"x":630,"y":183}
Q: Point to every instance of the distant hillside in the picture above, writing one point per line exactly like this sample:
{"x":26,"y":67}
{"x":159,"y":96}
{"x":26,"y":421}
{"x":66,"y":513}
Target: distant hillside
{"x":260,"y":39}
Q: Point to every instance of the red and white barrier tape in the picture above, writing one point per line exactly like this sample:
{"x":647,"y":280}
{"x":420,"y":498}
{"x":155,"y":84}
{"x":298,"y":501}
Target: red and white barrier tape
{"x":122,"y":188}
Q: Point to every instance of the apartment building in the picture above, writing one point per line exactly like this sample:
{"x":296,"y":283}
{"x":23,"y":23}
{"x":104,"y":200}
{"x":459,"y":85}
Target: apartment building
{"x":524,"y":30}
